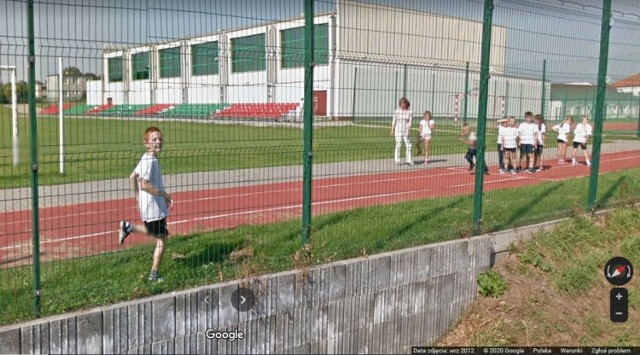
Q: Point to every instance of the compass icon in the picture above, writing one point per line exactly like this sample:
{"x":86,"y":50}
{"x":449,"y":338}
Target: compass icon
{"x":618,"y":271}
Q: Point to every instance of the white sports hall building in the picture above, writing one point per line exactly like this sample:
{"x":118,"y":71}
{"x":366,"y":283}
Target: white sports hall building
{"x":367,"y":53}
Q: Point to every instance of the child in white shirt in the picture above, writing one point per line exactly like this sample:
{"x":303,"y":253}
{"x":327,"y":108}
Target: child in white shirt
{"x":563,"y":130}
{"x":581,"y":136}
{"x":508,"y":139}
{"x":427,"y":126}
{"x":541,"y":138}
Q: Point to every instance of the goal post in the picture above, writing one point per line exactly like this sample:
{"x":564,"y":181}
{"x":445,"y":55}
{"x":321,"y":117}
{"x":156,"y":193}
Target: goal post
{"x":14,"y":113}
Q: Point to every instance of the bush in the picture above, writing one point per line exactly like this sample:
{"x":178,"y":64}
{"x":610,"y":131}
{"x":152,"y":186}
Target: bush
{"x":492,"y":284}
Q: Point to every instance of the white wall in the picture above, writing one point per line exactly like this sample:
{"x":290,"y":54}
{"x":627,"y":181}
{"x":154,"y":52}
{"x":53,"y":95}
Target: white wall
{"x":94,"y":92}
{"x":378,"y":91}
{"x":139,"y":92}
{"x":402,"y":36}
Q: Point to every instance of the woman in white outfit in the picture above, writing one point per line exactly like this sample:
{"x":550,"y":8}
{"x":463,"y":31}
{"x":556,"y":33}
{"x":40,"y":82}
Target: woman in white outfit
{"x":400,"y":128}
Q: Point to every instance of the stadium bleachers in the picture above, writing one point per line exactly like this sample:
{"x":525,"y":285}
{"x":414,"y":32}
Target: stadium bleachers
{"x":53,"y":109}
{"x":270,"y":111}
{"x":194,"y":110}
{"x":262,"y":110}
{"x":123,"y":110}
{"x":79,"y":109}
{"x":97,"y":110}
{"x":154,"y":110}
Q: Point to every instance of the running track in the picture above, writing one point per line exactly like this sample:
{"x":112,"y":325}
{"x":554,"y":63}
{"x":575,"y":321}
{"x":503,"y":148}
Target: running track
{"x":90,"y":228}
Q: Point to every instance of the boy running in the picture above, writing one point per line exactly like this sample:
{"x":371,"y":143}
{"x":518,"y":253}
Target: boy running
{"x":469,"y":138}
{"x":527,"y":134}
{"x":153,"y":201}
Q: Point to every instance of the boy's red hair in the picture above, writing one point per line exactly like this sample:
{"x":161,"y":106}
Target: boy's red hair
{"x":150,"y":130}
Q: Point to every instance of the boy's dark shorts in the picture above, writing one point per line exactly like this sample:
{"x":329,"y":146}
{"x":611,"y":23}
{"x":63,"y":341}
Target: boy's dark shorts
{"x":561,"y":141}
{"x":157,"y":228}
{"x":539,"y":149}
{"x":582,"y":146}
{"x":512,"y":150}
{"x":526,"y":148}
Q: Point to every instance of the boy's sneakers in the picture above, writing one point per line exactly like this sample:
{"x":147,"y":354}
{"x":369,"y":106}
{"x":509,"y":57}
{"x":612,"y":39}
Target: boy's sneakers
{"x":125,"y":230}
{"x":502,"y":171}
{"x":411,"y":163}
{"x":398,"y":163}
{"x":531,"y":170}
{"x":513,"y":172}
{"x":588,"y":163}
{"x":574,"y":162}
{"x":472,"y":166}
{"x":154,"y":276}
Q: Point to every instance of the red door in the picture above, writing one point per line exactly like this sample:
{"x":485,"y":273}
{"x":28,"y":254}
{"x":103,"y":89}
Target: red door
{"x":320,"y":103}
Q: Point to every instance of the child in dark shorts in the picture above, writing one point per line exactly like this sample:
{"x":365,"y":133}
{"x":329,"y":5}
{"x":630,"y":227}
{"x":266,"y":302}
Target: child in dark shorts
{"x":153,"y":201}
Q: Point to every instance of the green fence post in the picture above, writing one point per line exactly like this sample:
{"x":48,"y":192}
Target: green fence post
{"x":600,"y":102}
{"x":466,"y":94}
{"x":482,"y":115}
{"x":404,"y":83}
{"x":308,"y":120}
{"x":433,"y":93}
{"x":34,"y":160}
{"x":544,"y":86}
{"x":355,"y":89}
{"x":395,"y":92}
{"x":506,"y":99}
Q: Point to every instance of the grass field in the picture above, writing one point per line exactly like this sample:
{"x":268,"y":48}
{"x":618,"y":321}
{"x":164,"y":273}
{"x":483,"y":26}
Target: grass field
{"x":205,"y":258}
{"x":98,"y":148}
{"x":556,"y":292}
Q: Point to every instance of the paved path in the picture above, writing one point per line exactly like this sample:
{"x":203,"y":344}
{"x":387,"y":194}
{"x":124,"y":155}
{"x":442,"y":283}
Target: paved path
{"x":71,"y":194}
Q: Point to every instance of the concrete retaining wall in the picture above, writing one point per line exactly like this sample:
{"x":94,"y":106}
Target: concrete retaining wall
{"x":385,"y":303}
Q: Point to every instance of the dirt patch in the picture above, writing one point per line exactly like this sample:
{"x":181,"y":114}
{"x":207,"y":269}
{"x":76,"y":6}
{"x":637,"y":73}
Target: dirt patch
{"x":535,"y":312}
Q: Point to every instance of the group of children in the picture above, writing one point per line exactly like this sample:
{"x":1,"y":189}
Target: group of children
{"x":529,"y":138}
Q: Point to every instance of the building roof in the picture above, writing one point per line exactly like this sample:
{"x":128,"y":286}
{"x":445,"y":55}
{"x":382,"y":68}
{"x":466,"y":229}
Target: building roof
{"x":633,"y":80}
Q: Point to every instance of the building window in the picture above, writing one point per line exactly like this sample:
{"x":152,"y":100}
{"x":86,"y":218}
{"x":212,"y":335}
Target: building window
{"x":140,"y":64}
{"x":73,"y":80}
{"x":115,"y":69}
{"x":204,"y":59}
{"x":170,"y":62}
{"x":248,"y":54}
{"x":292,"y":46}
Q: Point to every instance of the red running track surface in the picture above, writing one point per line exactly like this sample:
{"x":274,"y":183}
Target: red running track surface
{"x":91,"y":228}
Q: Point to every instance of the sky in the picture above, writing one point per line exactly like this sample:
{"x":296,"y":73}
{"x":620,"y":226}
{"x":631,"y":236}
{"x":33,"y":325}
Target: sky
{"x":565,"y":33}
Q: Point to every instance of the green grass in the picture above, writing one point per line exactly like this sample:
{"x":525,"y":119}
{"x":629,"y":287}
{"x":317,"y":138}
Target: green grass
{"x":99,"y":148}
{"x":204,"y":258}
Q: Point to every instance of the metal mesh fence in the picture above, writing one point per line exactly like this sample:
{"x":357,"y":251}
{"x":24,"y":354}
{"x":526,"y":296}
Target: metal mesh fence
{"x":272,"y":169}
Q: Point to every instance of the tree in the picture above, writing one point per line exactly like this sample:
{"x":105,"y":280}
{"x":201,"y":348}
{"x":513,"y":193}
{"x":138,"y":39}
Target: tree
{"x":71,"y":71}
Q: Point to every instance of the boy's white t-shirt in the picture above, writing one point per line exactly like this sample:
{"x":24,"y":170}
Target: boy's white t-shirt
{"x":509,"y":137}
{"x":563,"y":129}
{"x":402,"y":120}
{"x":582,"y":133}
{"x":528,"y":133}
{"x":426,"y":127}
{"x":542,"y":131}
{"x":152,"y":208}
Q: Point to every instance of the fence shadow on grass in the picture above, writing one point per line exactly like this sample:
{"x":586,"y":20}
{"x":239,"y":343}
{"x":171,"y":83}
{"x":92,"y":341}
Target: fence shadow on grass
{"x":526,"y":206}
{"x":611,"y":191}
